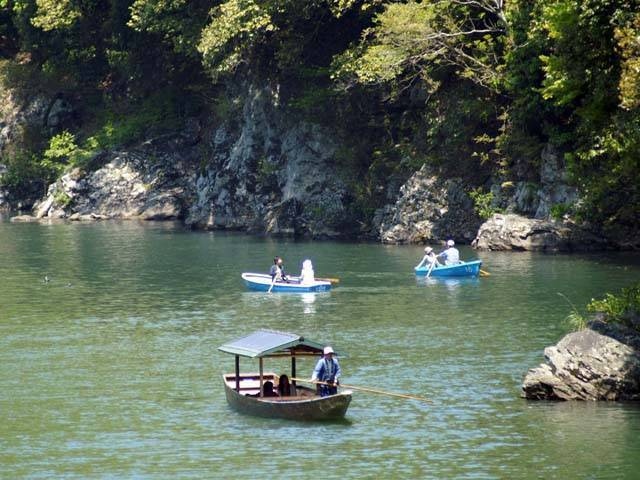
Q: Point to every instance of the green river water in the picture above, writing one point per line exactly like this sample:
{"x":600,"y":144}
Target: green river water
{"x":110,"y":369}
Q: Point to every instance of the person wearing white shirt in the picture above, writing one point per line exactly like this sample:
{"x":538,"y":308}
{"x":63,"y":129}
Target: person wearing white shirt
{"x":451,"y":255}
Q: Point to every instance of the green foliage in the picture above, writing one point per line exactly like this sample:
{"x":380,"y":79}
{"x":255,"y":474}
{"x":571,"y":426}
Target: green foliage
{"x":178,"y":22}
{"x":623,"y":307}
{"x":559,"y":210}
{"x":575,"y":319}
{"x":237,"y":26}
{"x":61,"y":147}
{"x":483,"y":203}
{"x":473,"y":88}
{"x":24,"y":178}
{"x":412,"y":39}
{"x":62,"y":198}
{"x":628,"y":43}
{"x":55,"y":15}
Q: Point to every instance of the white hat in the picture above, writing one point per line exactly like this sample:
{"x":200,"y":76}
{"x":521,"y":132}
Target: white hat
{"x":328,"y":350}
{"x":450,"y":243}
{"x":428,"y":249}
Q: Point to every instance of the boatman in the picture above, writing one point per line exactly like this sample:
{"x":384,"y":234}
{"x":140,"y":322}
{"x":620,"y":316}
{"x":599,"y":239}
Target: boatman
{"x":451,"y":255}
{"x":277,"y":271}
{"x":327,"y":371}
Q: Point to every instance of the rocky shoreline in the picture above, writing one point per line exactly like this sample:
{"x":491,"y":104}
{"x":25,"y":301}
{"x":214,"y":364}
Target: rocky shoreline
{"x":271,"y":174}
{"x":601,"y":362}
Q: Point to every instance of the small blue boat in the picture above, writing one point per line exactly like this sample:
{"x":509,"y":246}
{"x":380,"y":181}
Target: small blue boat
{"x":262,"y":283}
{"x":462,"y":269}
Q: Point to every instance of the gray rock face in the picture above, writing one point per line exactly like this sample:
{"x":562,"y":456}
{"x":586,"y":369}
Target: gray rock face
{"x":59,"y":114}
{"x":428,"y":209}
{"x":514,"y":232}
{"x":150,"y":182}
{"x":537,"y":199}
{"x":599,"y":363}
{"x":266,"y":173}
{"x":15,"y":114}
{"x":273,"y":175}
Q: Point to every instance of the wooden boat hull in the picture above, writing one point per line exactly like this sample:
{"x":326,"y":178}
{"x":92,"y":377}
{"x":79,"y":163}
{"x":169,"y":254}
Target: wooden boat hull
{"x":463,"y":269}
{"x":332,"y":407}
{"x":262,"y":283}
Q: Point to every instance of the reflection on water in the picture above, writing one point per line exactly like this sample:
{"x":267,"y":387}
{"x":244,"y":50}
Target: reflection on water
{"x":294,"y":302}
{"x":308,"y":299}
{"x":110,"y":368}
{"x":451,"y":283}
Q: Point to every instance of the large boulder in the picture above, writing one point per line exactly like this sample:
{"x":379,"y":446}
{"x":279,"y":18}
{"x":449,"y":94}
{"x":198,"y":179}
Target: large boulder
{"x":428,"y":209}
{"x":515,"y":232}
{"x":598,"y":363}
{"x":150,"y":182}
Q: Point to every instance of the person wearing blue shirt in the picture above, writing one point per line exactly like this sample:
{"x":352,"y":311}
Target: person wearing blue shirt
{"x":328,"y":371}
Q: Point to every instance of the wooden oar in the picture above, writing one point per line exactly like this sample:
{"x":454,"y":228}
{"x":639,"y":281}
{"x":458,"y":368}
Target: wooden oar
{"x":484,"y":273}
{"x":370,"y":390}
{"x":333,"y":281}
{"x":431,"y":268}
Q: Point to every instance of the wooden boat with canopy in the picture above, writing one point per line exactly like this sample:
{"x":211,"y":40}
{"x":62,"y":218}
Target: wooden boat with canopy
{"x":250,"y":393}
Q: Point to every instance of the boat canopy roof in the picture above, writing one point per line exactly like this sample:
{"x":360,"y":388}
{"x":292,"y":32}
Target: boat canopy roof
{"x":263,"y":343}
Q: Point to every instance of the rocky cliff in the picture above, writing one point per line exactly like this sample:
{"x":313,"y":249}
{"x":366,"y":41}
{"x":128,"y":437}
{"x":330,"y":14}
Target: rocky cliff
{"x":266,"y":171}
{"x":263,"y":171}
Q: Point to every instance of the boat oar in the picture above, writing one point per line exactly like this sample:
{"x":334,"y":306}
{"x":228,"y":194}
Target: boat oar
{"x":333,"y":281}
{"x":430,"y":268}
{"x":363,"y":389}
{"x":484,"y":273}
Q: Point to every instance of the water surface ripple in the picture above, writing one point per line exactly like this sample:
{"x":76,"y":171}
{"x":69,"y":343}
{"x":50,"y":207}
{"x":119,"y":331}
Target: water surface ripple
{"x":109,"y":365}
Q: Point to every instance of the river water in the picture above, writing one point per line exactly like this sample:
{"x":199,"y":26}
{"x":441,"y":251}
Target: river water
{"x":109,"y":365}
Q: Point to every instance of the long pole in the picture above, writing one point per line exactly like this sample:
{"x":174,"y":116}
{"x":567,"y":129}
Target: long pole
{"x":370,"y":390}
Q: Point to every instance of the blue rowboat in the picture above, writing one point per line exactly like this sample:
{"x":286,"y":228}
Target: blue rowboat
{"x":462,"y":269}
{"x":262,"y":283}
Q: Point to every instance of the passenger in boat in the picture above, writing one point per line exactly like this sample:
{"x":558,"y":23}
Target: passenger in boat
{"x":285,"y":389}
{"x":451,"y":255}
{"x":277,"y":271}
{"x":267,"y":389}
{"x":429,"y":258}
{"x":307,"y":275}
{"x":327,"y":371}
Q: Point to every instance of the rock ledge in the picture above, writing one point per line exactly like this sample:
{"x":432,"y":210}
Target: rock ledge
{"x":601,"y":362}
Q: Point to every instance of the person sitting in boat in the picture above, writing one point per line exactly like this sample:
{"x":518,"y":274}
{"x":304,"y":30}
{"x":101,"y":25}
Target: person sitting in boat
{"x":277,"y":271}
{"x":307,"y":276}
{"x":429,"y":258}
{"x":327,"y":371}
{"x":285,"y":389}
{"x":451,"y":255}
{"x":267,"y":389}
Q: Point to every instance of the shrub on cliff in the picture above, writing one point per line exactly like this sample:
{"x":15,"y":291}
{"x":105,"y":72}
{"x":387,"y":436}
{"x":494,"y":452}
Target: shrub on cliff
{"x":623,"y":307}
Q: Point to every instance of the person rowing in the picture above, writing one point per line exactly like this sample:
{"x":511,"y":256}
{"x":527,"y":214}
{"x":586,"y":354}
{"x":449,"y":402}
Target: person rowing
{"x":277,"y":271}
{"x":327,"y":371}
{"x":430,"y":259}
